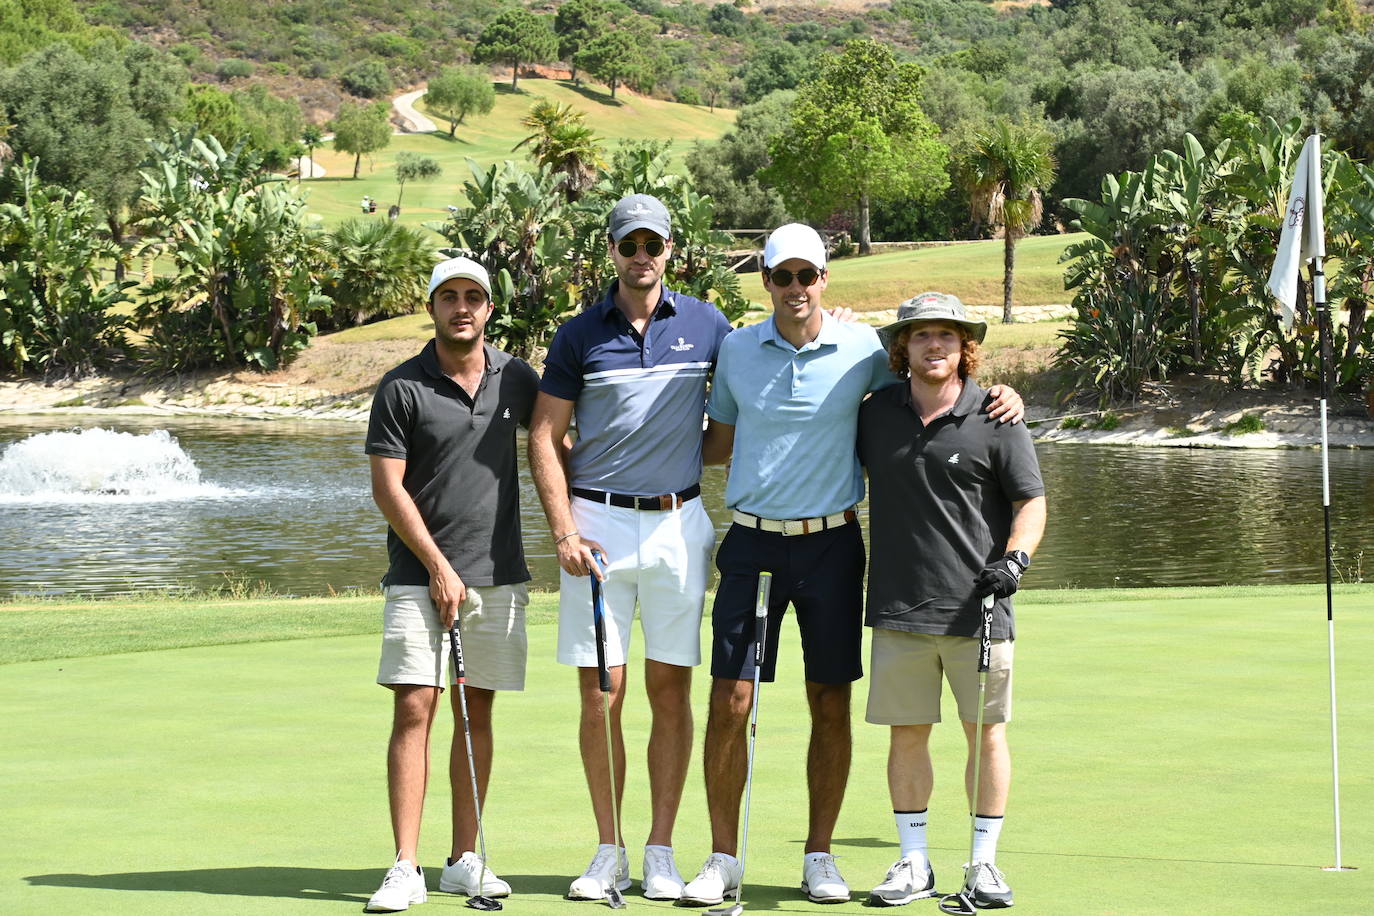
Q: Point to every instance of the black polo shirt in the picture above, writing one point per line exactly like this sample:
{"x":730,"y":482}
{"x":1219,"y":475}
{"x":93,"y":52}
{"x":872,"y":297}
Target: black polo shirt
{"x":460,"y":455}
{"x":939,"y":509}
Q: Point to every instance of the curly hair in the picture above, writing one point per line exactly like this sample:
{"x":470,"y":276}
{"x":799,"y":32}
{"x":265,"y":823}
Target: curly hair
{"x":971,"y":354}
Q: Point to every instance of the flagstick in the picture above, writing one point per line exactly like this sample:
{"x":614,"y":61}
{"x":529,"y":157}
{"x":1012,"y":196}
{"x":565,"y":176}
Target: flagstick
{"x":1324,"y":349}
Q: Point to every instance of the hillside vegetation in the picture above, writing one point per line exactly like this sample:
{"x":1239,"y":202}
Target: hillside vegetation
{"x":490,"y":138}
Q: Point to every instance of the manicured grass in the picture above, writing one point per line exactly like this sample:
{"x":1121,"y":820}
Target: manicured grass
{"x":972,"y":271}
{"x":490,"y":138}
{"x":1171,"y":750}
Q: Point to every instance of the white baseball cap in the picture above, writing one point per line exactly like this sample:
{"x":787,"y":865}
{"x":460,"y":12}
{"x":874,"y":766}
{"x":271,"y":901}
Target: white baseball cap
{"x":794,"y":240}
{"x":465,"y":268}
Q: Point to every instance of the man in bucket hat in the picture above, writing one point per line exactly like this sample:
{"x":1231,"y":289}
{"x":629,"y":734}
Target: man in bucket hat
{"x":442,"y":445}
{"x":785,"y":399}
{"x":930,"y":441}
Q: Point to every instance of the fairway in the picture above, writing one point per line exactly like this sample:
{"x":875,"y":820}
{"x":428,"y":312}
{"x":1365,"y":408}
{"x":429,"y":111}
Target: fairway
{"x":1171,"y":754}
{"x":491,"y":138}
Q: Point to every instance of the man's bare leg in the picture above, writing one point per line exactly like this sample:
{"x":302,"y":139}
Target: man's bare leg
{"x":994,"y":776}
{"x":827,"y":760}
{"x":725,"y":759}
{"x":480,"y":704}
{"x":669,"y":688}
{"x":592,"y":741}
{"x":910,"y":775}
{"x":407,"y":763}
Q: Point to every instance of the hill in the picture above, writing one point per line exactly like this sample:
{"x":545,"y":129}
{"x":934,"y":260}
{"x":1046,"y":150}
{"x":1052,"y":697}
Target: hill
{"x":491,"y":138}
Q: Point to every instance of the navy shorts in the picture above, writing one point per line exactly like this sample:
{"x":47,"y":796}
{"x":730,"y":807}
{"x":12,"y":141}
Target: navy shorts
{"x":820,"y":575}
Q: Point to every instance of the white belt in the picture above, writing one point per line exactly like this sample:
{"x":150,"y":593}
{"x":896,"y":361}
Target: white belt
{"x":791,"y":526}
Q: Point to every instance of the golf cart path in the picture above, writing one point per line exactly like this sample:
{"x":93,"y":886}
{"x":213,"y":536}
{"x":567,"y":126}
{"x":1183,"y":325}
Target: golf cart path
{"x":407,"y":118}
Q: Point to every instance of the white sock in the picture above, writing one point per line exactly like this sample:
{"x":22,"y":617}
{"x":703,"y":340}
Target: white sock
{"x":911,"y":834}
{"x":986,"y":830}
{"x":667,"y":849}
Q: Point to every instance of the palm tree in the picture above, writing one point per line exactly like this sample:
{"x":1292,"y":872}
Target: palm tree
{"x":377,"y":270}
{"x":563,"y":144}
{"x":1004,"y":171}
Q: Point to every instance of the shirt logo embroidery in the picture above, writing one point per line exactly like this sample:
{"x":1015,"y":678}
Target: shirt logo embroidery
{"x":681,"y":346}
{"x":954,"y":459}
{"x":506,"y":414}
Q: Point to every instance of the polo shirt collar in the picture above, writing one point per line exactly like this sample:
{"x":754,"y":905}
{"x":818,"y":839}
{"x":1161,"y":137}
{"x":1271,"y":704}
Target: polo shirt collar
{"x":829,"y":333}
{"x":969,"y":401}
{"x":429,"y":360}
{"x":609,"y":311}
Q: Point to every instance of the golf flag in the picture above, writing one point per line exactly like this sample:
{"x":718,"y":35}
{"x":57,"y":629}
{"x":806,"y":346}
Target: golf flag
{"x":1304,"y":231}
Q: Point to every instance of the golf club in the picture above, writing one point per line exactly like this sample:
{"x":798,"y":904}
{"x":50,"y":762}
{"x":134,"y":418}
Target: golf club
{"x":479,"y":901}
{"x":961,"y":904}
{"x":760,"y":636}
{"x":613,"y":896}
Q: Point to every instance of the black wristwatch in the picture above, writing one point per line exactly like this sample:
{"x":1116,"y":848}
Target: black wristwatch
{"x":1020,"y":558}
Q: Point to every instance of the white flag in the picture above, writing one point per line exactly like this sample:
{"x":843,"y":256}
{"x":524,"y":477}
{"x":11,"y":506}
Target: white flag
{"x":1304,"y":232}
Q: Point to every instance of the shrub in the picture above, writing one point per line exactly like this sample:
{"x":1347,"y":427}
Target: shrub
{"x":369,"y":79}
{"x":233,"y":68}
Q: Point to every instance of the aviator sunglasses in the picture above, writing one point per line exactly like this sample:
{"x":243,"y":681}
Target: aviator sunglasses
{"x":627,"y":247}
{"x":780,"y":276}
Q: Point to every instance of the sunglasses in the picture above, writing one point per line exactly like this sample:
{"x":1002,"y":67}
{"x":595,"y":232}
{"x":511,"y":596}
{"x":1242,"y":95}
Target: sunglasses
{"x":783,"y":277}
{"x":627,"y":247}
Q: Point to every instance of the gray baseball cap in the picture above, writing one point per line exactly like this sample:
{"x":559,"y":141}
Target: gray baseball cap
{"x":933,"y":307}
{"x":639,"y":211}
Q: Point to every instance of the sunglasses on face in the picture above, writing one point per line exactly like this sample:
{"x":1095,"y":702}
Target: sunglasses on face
{"x":782,"y":277}
{"x":627,"y":247}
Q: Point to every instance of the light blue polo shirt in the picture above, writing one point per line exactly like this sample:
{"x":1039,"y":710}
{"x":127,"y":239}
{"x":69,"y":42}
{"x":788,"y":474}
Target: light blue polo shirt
{"x":796,"y":415}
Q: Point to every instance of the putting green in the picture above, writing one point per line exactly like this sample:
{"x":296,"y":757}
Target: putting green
{"x":1171,"y":751}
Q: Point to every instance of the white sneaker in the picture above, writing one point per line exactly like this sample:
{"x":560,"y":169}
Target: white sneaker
{"x":460,"y":877}
{"x":821,"y":881}
{"x":990,"y":888}
{"x":719,"y":876}
{"x":661,"y":880}
{"x":904,"y":883}
{"x":403,"y":885}
{"x":610,"y":864}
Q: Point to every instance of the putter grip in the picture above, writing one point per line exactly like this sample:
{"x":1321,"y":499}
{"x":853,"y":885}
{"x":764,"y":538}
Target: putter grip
{"x":985,"y":636}
{"x":456,"y":647}
{"x":599,"y":625}
{"x":761,"y":616}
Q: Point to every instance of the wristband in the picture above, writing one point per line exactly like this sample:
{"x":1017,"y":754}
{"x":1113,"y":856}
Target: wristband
{"x":570,"y":534}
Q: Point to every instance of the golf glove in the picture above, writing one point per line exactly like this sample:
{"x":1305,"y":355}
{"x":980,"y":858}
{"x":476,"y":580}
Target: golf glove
{"x":999,"y":578}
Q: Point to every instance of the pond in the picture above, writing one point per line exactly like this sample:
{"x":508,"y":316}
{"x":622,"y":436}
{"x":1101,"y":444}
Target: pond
{"x":288,"y":504}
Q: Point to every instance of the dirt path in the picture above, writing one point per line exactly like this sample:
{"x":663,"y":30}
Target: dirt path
{"x":410,"y":120}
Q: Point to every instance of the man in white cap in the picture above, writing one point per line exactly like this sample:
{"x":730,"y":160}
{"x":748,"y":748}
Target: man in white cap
{"x":442,"y":446}
{"x":785,"y":400}
{"x":634,"y":368}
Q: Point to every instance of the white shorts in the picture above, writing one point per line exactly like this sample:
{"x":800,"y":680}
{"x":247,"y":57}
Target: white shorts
{"x":659,"y":558}
{"x":415,"y":649}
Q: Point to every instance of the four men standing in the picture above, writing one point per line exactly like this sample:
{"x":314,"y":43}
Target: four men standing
{"x":623,"y":504}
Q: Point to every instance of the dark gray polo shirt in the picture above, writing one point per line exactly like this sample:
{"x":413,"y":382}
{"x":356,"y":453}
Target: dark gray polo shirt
{"x":460,"y":456}
{"x":939,"y":509}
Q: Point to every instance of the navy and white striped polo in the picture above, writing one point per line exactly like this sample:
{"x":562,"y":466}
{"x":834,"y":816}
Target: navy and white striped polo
{"x":640,"y":400}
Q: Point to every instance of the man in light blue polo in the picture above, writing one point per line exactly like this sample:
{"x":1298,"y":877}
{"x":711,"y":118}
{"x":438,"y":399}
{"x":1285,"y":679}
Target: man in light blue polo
{"x":785,"y":398}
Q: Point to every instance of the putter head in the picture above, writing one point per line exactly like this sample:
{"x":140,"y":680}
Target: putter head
{"x":481,"y":902}
{"x":960,"y":904}
{"x":614,"y":899}
{"x":734,"y":909}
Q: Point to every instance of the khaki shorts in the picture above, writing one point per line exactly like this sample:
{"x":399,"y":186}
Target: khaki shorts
{"x":906,"y":668}
{"x":415,"y":647}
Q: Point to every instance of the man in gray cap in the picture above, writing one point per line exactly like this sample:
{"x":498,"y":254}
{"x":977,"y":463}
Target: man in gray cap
{"x":442,"y":447}
{"x":963,"y":493}
{"x":634,"y":367}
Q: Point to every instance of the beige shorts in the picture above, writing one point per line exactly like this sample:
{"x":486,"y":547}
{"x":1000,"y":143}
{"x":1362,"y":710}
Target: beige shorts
{"x":415,"y":648}
{"x":906,"y":668}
